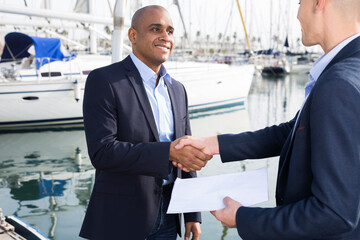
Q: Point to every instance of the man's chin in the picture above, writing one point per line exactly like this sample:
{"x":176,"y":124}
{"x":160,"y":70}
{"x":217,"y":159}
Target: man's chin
{"x":307,"y":43}
{"x":163,"y":58}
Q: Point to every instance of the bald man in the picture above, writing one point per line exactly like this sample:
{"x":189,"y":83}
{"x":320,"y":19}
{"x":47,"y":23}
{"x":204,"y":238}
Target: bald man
{"x":133,"y":111}
{"x":318,"y":185}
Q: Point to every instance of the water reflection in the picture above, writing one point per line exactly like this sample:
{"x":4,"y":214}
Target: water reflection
{"x":46,"y":177}
{"x":275,"y":100}
{"x":43,"y":176}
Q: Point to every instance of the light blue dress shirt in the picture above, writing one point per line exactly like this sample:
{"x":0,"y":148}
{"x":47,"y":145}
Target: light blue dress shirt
{"x":159,"y":100}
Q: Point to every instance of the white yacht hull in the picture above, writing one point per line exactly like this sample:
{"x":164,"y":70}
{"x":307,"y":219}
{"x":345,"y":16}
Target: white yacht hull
{"x":33,"y":103}
{"x":211,"y":85}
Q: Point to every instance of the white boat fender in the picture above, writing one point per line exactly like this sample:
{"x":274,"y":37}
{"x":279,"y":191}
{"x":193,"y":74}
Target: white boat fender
{"x":78,"y":157}
{"x":76,"y":90}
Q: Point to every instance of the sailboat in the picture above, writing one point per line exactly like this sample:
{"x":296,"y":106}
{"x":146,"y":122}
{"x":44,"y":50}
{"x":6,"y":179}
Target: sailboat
{"x":42,"y":89}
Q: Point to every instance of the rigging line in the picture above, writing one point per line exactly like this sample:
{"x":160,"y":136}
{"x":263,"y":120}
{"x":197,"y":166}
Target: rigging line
{"x":25,"y":49}
{"x":11,"y":53}
{"x":26,"y":6}
{"x":226,"y":27}
{"x":198,"y":11}
{"x":8,"y":48}
{"x":176,"y":2}
{"x":110,"y":8}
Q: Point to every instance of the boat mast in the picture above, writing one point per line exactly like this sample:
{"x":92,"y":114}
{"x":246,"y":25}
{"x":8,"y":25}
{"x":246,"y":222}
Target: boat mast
{"x":45,"y":4}
{"x":271,"y":22}
{"x":243,"y":22}
{"x":93,"y":35}
{"x":118,"y":33}
{"x":176,"y":2}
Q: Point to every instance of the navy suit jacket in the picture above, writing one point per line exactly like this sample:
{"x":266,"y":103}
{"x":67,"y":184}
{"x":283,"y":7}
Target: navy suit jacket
{"x":318,"y":185}
{"x":124,"y":148}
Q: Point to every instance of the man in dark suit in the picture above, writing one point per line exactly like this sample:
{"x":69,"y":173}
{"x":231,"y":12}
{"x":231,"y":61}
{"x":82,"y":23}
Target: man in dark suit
{"x":318,"y":185}
{"x":133,"y":110}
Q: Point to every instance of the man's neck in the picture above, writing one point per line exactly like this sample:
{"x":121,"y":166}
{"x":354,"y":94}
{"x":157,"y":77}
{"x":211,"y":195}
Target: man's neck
{"x":333,"y":41}
{"x":336,"y":30}
{"x":154,"y":67}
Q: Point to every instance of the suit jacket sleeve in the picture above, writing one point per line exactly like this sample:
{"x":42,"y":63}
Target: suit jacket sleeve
{"x":267,"y":142}
{"x":106,"y":151}
{"x":333,"y":208}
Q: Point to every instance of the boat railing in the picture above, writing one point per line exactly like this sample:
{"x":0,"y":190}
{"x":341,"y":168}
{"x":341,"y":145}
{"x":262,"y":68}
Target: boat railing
{"x":2,"y":78}
{"x":49,"y":71}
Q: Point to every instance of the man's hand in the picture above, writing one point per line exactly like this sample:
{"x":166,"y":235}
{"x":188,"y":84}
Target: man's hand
{"x":227,"y":216}
{"x":188,"y":157}
{"x":194,"y":228}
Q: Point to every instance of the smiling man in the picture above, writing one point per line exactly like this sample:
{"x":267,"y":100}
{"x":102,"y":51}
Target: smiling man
{"x":133,"y":112}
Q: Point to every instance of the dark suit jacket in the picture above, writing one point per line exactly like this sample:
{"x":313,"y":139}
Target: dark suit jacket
{"x":124,"y":148}
{"x":318,"y":185}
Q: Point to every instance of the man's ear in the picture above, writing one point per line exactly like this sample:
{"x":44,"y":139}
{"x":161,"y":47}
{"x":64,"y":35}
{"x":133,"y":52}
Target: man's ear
{"x":319,"y":5}
{"x":132,"y":35}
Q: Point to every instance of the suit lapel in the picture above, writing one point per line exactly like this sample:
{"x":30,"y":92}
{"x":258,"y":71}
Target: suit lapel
{"x":285,"y":158}
{"x":175,"y":108}
{"x":175,"y":104}
{"x":293,"y":131}
{"x":135,"y":79}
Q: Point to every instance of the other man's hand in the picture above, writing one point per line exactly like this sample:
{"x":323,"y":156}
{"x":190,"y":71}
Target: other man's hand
{"x":227,"y":215}
{"x":209,"y":145}
{"x":190,"y":158}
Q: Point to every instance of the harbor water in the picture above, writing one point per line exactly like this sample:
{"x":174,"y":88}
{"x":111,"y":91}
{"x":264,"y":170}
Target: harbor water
{"x":46,"y":177}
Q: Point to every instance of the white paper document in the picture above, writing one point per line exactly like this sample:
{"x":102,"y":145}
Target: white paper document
{"x":207,"y":193}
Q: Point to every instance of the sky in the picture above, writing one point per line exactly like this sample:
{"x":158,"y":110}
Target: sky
{"x":264,"y":18}
{"x":222,"y":16}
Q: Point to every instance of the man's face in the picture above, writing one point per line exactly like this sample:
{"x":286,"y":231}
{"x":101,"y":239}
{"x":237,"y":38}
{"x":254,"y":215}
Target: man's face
{"x":153,"y":39}
{"x":307,"y":18}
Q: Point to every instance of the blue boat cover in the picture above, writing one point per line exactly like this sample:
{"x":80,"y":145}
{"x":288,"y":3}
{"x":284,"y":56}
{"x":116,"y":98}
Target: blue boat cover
{"x":46,"y":49}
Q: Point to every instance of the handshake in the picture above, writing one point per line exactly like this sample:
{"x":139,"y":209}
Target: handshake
{"x":191,"y":153}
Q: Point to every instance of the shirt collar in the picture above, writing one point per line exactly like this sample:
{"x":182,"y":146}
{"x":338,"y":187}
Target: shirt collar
{"x":324,"y":60}
{"x":146,"y":73}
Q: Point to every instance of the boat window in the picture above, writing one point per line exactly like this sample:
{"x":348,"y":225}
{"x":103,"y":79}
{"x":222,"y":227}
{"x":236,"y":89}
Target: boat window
{"x":31,"y":98}
{"x":51,"y":74}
